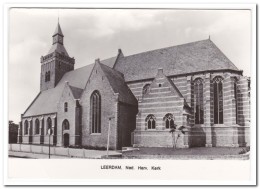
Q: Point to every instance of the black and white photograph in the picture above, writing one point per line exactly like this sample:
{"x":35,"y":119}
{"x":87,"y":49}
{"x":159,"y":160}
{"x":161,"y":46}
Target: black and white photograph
{"x":129,"y":84}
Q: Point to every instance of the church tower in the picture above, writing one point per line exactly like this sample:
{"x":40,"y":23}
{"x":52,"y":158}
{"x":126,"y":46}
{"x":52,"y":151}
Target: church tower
{"x":56,"y":63}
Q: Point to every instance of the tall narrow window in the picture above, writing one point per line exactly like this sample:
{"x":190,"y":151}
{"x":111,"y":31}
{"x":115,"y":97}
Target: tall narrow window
{"x":151,"y":121}
{"x":43,"y":125}
{"x":198,"y":96}
{"x":65,"y":106}
{"x":49,"y":75}
{"x":46,"y":76}
{"x":235,"y":97}
{"x":218,"y":100}
{"x":146,"y":89}
{"x":26,"y":126}
{"x":168,"y":120}
{"x":66,"y":125}
{"x":49,"y":124}
{"x":95,"y":109}
{"x":37,"y":127}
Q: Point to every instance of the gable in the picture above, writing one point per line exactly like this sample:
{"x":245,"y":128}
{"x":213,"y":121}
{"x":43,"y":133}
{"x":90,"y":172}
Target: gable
{"x":163,"y":87}
{"x":67,"y":94}
{"x":111,"y":79}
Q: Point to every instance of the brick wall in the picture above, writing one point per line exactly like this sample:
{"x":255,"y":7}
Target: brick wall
{"x":70,"y":115}
{"x":43,"y":137}
{"x":161,"y":99}
{"x":207,"y":134}
{"x":109,"y":107}
{"x":126,"y":123}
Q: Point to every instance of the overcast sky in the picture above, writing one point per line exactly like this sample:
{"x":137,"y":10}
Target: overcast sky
{"x":91,"y":34}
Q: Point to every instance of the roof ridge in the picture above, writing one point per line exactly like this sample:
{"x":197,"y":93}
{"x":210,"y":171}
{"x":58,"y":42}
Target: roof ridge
{"x":175,"y":46}
{"x":112,"y":69}
{"x":91,"y":64}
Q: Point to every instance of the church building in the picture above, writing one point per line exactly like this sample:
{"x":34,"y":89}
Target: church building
{"x":139,"y":98}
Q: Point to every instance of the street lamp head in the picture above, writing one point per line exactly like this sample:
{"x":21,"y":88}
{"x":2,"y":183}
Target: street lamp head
{"x":110,"y":118}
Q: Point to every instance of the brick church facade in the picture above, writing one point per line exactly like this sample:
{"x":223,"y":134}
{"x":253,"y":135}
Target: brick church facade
{"x":141,"y":96}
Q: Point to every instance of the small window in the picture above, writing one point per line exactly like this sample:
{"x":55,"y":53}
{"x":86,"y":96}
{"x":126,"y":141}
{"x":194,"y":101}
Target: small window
{"x":150,"y":121}
{"x":146,"y":89}
{"x":168,"y":120}
{"x":65,"y":106}
{"x":66,"y":125}
{"x":160,"y":85}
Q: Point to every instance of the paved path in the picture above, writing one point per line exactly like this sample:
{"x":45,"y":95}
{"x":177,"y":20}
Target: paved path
{"x":92,"y":154}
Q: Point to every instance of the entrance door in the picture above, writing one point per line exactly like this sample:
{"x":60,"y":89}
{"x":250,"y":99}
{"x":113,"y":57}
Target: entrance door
{"x":66,"y":140}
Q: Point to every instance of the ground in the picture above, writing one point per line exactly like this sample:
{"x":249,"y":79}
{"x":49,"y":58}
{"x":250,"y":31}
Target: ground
{"x":186,"y":153}
{"x":39,"y":152}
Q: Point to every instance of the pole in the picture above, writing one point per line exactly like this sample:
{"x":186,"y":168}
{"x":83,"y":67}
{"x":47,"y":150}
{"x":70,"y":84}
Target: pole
{"x":108,"y":135}
{"x":49,"y":146}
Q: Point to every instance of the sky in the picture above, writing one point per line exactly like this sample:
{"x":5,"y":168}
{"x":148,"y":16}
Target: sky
{"x":99,"y":33}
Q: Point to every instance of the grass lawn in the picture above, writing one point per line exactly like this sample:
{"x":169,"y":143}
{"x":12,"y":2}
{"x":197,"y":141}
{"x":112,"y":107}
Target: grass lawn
{"x":186,"y":151}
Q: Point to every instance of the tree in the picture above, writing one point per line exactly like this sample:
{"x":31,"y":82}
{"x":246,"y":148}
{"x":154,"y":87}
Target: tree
{"x":13,"y":132}
{"x":176,"y":133}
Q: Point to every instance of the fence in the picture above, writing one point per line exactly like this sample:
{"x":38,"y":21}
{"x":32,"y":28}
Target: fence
{"x":59,"y":151}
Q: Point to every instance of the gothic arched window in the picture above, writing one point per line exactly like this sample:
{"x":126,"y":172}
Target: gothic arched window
{"x":49,"y":124}
{"x":65,"y":125}
{"x":43,"y":124}
{"x":146,"y":89}
{"x":47,"y":76}
{"x":95,"y":112}
{"x":198,"y":98}
{"x":37,"y":127}
{"x":26,"y":127}
{"x":169,"y":121}
{"x":151,"y":121}
{"x":65,"y":106}
{"x":218,"y":100}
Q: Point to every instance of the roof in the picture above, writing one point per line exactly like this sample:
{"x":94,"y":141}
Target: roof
{"x":191,"y":57}
{"x":58,"y":30}
{"x":46,"y":101}
{"x":59,"y":48}
{"x":76,"y":92}
{"x":117,"y":82}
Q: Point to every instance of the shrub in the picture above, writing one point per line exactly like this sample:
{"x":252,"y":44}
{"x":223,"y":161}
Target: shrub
{"x":245,"y":150}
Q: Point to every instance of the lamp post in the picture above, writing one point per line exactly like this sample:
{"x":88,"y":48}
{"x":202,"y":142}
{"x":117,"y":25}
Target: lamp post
{"x":108,"y":133}
{"x":49,"y":133}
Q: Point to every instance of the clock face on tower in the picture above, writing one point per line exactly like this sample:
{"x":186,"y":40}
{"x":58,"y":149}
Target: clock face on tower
{"x":60,"y":39}
{"x":55,"y":40}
